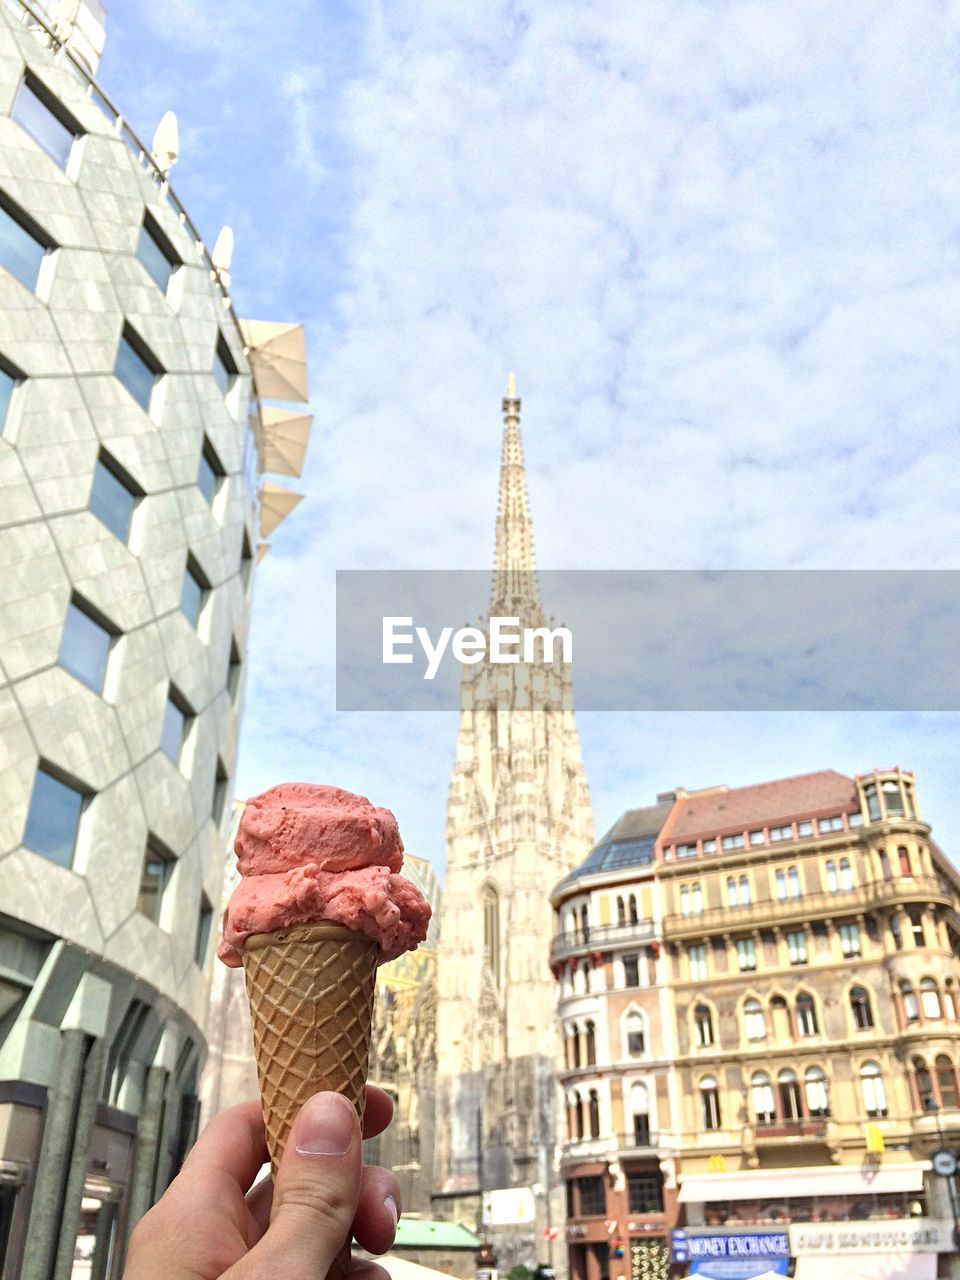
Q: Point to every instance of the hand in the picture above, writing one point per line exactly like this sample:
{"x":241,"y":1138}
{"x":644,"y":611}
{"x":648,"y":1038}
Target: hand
{"x":210,"y":1225}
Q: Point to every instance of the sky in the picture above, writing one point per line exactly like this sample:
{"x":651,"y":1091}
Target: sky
{"x":719,"y":243}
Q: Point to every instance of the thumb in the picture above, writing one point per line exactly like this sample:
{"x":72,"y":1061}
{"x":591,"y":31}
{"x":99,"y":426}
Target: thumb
{"x":317,"y":1189}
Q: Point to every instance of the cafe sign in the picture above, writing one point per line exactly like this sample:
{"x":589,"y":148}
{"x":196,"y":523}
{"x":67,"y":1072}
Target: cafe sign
{"x":907,"y":1235}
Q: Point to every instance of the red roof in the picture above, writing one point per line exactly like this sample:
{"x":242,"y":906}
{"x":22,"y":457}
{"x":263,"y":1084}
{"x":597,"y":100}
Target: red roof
{"x":765,"y":804}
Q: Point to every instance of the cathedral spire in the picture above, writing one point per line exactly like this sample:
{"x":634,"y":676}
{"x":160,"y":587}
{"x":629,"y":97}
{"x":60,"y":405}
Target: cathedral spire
{"x":514,"y":581}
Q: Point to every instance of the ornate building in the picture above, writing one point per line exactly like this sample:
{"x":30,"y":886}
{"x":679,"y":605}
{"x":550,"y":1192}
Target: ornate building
{"x":518,"y":818}
{"x":811,"y":960}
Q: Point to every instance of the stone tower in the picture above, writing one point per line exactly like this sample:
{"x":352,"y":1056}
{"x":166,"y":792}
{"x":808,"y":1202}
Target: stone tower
{"x":518,"y":819}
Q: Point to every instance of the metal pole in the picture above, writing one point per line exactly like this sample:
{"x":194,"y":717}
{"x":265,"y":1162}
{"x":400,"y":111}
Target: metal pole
{"x":79,"y":1160}
{"x":48,"y":1188}
{"x":480,"y":1169}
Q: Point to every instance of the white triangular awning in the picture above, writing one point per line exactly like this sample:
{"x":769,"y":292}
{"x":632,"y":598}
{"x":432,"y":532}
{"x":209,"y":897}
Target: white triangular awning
{"x":285,"y":438}
{"x":278,"y":358}
{"x":276,"y":503}
{"x":402,"y":1269}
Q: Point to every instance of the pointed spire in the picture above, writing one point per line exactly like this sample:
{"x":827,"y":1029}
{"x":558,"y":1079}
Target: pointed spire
{"x":514,"y":582}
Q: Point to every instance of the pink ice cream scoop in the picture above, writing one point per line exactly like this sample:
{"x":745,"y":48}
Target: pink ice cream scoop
{"x":308,"y":854}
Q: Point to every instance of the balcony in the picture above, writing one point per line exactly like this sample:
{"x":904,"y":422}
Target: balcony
{"x":811,"y":906}
{"x":625,"y":1146}
{"x":600,"y":938}
{"x":777,"y":1130}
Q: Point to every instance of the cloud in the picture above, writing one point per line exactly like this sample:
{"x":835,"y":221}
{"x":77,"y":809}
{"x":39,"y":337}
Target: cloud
{"x":719,"y":245}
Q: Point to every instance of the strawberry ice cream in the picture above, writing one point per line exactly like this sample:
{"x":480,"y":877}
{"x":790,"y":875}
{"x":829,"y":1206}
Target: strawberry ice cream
{"x":308,"y":854}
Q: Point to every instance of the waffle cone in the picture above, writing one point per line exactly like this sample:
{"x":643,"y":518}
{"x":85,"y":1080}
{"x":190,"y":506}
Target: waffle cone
{"x":311,"y":1005}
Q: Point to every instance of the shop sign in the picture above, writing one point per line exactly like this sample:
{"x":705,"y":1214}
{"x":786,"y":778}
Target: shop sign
{"x":907,"y":1235}
{"x":728,"y":1255}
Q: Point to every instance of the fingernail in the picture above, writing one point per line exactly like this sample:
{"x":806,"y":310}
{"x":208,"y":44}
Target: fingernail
{"x":391,"y":1207}
{"x":326,"y":1126}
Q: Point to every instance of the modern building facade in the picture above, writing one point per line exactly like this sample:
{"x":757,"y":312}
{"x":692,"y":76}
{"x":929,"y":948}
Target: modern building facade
{"x":809,"y":937}
{"x":131,"y":510}
{"x":518,"y":818}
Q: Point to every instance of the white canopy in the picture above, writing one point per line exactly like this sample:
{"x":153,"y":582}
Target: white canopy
{"x":819,"y":1180}
{"x":402,"y":1269}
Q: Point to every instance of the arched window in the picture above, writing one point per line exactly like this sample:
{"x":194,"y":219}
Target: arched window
{"x":861,"y":1008}
{"x":873,"y":802}
{"x":846,"y":875}
{"x":640,"y":1109}
{"x":703,"y":1025}
{"x":949,"y":1000}
{"x":733,"y":894}
{"x":930,"y":999}
{"x":575,"y":1044}
{"x":906,"y":869}
{"x":885,"y":865}
{"x":585,"y":924}
{"x":946,"y":1082}
{"x":621,"y":912}
{"x":754,"y":1023}
{"x":578,"y":1113}
{"x":815,"y":1087}
{"x":788,"y":1086}
{"x":782,"y":886}
{"x":591,"y":1044}
{"x":594,"y":1114}
{"x":491,"y":931}
{"x":924,"y":1083}
{"x":764,"y":1104}
{"x":780,"y":1016}
{"x":892,"y":799}
{"x":710,"y":1103}
{"x":632,"y":903}
{"x":745,"y":896}
{"x":874,"y":1094}
{"x":793,"y":882}
{"x":911,"y":1009}
{"x":833,"y":883}
{"x":806,"y":1015}
{"x":636,"y":1040}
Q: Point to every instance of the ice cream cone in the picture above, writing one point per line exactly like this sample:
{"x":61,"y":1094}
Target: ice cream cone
{"x":311,"y":991}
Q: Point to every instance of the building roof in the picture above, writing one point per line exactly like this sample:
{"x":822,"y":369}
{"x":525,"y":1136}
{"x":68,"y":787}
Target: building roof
{"x":424,"y":1233}
{"x":766,"y":802}
{"x":629,"y":842}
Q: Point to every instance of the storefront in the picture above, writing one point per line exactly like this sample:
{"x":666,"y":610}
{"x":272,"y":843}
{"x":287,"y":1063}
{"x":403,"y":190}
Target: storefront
{"x":837,"y":1222}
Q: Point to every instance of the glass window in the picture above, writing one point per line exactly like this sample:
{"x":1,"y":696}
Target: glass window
{"x":764,"y":1103}
{"x":175,"y":720}
{"x":895,"y":932}
{"x":635,"y":1036}
{"x":224,"y":370}
{"x":698,"y":962}
{"x":85,"y":647}
{"x":797,"y":945}
{"x":8,"y":384}
{"x":833,"y":883}
{"x":782,"y":885}
{"x":746,"y":954}
{"x":830,"y":824}
{"x":591,"y":1045}
{"x":781,"y":833}
{"x":850,"y":939}
{"x":592,"y":1198}
{"x":34,"y":111}
{"x":686,"y":850}
{"x":873,"y":802}
{"x":892,"y":799}
{"x":733,"y":842}
{"x":53,"y":819}
{"x":645,"y":1193}
{"x":846,"y":875}
{"x":754,"y":1023}
{"x":815,"y":1087}
{"x":696,"y":898}
{"x":745,"y":895}
{"x":804,"y":828}
{"x":874,"y":1094}
{"x":246,"y":559}
{"x":855,"y":819}
{"x":906,"y":867}
{"x":911,"y":1007}
{"x":157,"y":866}
{"x":137,"y":371}
{"x":234,"y":669}
{"x":733,"y":894}
{"x":756,"y":837}
{"x":192,"y":593}
{"x":703,"y":1023}
{"x":807,"y":1024}
{"x":112,"y":500}
{"x":220,"y":783}
{"x":155,"y":253}
{"x":862,"y":1008}
{"x":788,"y":1086}
{"x":710,"y":1103}
{"x":793,"y":881}
{"x":211,"y":471}
{"x":204,"y":921}
{"x":21,"y":249}
{"x":946,"y":1082}
{"x":710,"y":846}
{"x":930,"y":999}
{"x":631,"y":971}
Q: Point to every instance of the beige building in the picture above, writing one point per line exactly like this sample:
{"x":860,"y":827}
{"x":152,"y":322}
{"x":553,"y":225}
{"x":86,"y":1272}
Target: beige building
{"x":518,"y":819}
{"x":810,"y":955}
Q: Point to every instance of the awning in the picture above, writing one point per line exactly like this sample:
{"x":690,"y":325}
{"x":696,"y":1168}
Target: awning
{"x":285,"y":438}
{"x":276,"y":503}
{"x":402,"y":1269}
{"x":278,"y":358}
{"x":819,"y":1180}
{"x":869,"y":1266}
